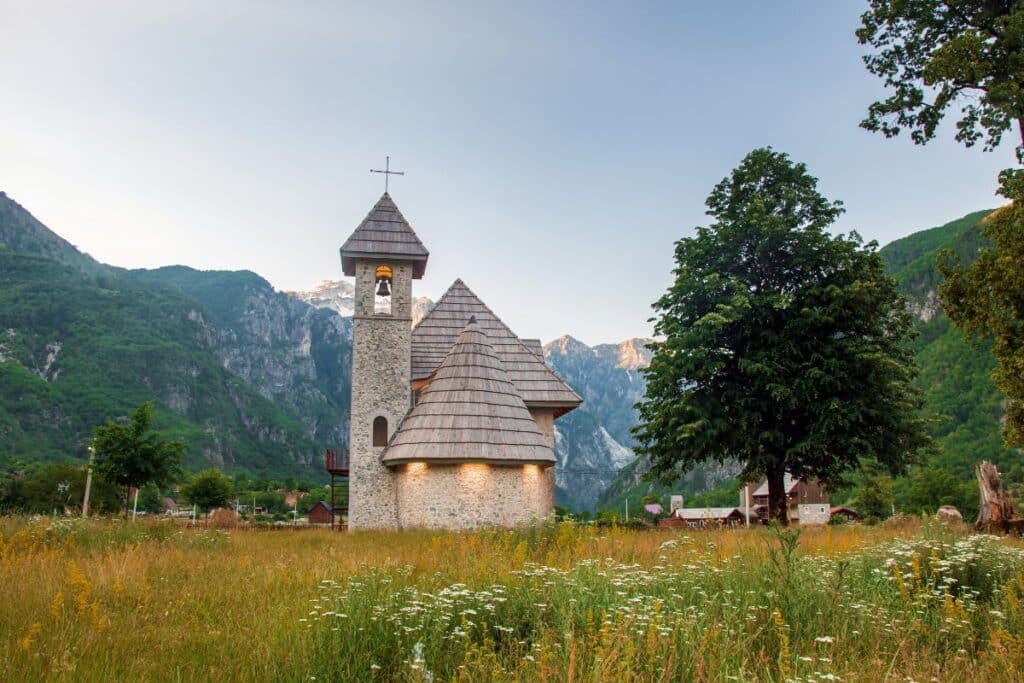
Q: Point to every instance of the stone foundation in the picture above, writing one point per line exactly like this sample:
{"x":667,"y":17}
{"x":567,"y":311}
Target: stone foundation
{"x":471,"y":495}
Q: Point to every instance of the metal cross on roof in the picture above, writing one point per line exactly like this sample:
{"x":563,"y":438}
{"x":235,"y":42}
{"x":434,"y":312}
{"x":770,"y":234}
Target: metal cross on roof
{"x":386,"y":171}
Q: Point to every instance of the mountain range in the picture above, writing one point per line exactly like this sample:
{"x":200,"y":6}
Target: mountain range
{"x":258,"y":380}
{"x":251,"y":378}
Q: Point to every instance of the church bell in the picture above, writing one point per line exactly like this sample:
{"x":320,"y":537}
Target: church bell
{"x":383,"y":275}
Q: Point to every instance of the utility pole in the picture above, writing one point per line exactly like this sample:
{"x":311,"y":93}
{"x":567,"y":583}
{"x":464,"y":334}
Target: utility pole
{"x":627,"y":509}
{"x":746,"y":500}
{"x":88,"y":483}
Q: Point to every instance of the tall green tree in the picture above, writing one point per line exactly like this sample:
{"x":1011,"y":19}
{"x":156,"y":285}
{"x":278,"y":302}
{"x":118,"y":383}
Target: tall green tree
{"x":938,"y":55}
{"x":132,"y":454}
{"x":208,"y":489}
{"x":874,"y":497}
{"x":931,"y":488}
{"x":782,"y":347}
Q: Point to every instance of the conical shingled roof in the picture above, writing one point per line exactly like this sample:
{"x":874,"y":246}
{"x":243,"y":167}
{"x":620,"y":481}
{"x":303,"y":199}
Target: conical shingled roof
{"x":384,"y":233}
{"x":471,"y":411}
{"x":435,"y":335}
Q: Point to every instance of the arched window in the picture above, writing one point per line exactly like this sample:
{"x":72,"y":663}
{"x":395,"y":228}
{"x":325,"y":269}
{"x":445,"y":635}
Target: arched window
{"x":380,"y":431}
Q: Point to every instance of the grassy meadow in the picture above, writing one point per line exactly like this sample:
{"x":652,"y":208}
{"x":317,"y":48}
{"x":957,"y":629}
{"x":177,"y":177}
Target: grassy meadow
{"x":110,"y":600}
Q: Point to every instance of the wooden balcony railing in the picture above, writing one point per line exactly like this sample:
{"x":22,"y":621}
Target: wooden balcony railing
{"x":336,"y":461}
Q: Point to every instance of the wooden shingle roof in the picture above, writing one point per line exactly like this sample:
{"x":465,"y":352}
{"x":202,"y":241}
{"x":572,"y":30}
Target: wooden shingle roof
{"x":384,"y":233}
{"x":435,"y":335}
{"x":471,"y":411}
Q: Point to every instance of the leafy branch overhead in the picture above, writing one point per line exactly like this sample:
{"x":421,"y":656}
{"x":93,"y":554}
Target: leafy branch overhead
{"x":935,"y":55}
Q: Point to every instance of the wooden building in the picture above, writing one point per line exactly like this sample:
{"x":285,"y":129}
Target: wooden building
{"x":848,"y":514}
{"x":807,"y":496}
{"x":320,"y":513}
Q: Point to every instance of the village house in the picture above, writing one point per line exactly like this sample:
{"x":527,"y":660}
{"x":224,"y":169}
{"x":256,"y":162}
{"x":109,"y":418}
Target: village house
{"x":700,"y":518}
{"x":452,"y":422}
{"x":807,"y":501}
{"x":847,"y":514}
{"x":320,"y":513}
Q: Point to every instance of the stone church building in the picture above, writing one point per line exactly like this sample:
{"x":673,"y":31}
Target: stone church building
{"x":453,"y":419}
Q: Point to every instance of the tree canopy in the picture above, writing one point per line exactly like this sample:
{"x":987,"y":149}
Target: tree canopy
{"x":132,"y":454}
{"x":208,"y":489}
{"x":937,"y":54}
{"x":783,"y":347}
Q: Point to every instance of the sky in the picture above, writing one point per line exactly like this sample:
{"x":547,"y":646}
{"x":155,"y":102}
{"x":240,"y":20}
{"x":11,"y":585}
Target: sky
{"x":553,"y":152}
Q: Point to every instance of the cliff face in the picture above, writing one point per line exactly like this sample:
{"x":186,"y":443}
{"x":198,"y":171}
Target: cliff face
{"x":80,"y":349}
{"x":296,"y":355}
{"x":593,"y":443}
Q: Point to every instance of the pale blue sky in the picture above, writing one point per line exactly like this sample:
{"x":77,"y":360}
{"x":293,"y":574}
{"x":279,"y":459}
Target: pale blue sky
{"x":553,"y":154}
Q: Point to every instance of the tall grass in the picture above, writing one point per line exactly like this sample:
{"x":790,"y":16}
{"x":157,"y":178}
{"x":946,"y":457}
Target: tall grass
{"x":106,"y":600}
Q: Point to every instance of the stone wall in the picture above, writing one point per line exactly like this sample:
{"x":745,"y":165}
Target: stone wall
{"x":471,"y":495}
{"x":381,"y":374}
{"x":545,"y":418}
{"x":810,"y":514}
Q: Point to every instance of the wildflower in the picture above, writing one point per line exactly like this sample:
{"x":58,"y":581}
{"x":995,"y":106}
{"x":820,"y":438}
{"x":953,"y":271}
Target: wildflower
{"x":824,"y":639}
{"x":26,"y":642}
{"x":57,"y":606}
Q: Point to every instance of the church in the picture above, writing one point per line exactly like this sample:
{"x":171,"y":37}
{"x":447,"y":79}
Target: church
{"x":452,"y":421}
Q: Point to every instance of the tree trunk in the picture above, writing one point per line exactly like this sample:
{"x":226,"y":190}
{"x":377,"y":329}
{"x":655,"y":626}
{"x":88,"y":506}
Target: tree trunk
{"x":996,"y":510}
{"x":778,"y":508}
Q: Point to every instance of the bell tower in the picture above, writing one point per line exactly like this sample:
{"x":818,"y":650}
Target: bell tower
{"x":385,"y":256}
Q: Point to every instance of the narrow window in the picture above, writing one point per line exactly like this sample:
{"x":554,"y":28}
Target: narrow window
{"x":380,"y":431}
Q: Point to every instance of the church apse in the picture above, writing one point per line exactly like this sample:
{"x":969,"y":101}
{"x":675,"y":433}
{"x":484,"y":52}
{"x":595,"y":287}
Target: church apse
{"x":472,"y":494}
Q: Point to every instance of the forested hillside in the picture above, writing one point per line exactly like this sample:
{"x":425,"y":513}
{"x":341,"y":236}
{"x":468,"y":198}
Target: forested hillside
{"x":955,"y":375}
{"x":82,"y":342}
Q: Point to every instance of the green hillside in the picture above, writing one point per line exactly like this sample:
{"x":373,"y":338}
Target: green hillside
{"x":21,"y":231}
{"x":81,"y":343}
{"x":954,"y":375}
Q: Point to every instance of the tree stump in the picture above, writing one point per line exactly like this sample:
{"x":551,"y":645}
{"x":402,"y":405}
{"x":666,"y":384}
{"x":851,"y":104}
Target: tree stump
{"x":996,"y":511}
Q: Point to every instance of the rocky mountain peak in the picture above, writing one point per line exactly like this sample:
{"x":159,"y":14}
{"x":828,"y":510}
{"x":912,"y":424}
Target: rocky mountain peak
{"x":339,"y":296}
{"x":565,"y":345}
{"x":631,"y":354}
